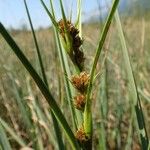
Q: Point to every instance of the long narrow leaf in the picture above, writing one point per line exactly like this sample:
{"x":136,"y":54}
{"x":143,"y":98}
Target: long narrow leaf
{"x":43,"y":88}
{"x":36,"y":45}
{"x":87,"y":111}
{"x":78,"y":23}
{"x":17,"y":138}
{"x":4,"y":142}
{"x":56,"y":127}
{"x":132,"y":87}
{"x":21,"y":104}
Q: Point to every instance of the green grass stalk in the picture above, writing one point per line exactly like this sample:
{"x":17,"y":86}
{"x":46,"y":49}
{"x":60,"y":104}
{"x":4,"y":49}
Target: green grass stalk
{"x":88,"y":111}
{"x":66,"y":70}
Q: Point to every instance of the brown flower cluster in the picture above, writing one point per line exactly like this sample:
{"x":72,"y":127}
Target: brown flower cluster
{"x":80,"y":82}
{"x":79,"y":102}
{"x":81,"y":136}
{"x":75,"y":53}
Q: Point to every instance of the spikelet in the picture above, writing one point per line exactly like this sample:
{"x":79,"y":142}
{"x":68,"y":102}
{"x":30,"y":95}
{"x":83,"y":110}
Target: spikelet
{"x":72,"y":43}
{"x":79,"y":102}
{"x":81,"y":136}
{"x":80,"y":82}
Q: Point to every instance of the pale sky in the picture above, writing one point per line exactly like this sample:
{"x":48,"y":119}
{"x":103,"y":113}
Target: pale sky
{"x":12,"y":12}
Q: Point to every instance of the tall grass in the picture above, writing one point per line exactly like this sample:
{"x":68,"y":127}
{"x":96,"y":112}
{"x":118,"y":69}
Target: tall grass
{"x":56,"y":126}
{"x":133,"y":89}
{"x":82,"y":109}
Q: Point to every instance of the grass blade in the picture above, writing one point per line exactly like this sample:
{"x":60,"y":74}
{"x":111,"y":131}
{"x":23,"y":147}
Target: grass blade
{"x":87,"y":111}
{"x":4,"y":142}
{"x":56,"y":127}
{"x":12,"y":133}
{"x":132,"y":87}
{"x":36,"y":45}
{"x":103,"y":108}
{"x":78,"y":23}
{"x":26,"y":116}
{"x":43,"y":88}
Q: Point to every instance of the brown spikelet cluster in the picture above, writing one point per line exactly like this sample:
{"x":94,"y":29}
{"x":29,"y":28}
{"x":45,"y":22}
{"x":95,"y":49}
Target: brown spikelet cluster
{"x":75,"y":53}
{"x":79,"y":102}
{"x":72,"y":44}
{"x":80,"y":82}
{"x":81,"y":136}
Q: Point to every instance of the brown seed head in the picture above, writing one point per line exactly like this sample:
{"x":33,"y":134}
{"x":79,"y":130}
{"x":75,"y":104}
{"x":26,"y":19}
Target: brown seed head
{"x":81,"y":136}
{"x":80,"y":82}
{"x":61,"y":24}
{"x":79,"y":59}
{"x":76,"y":55}
{"x":70,"y":27}
{"x":79,"y":102}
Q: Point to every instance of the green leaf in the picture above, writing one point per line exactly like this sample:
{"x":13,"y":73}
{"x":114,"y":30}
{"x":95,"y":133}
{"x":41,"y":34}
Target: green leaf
{"x":87,"y":111}
{"x":4,"y":142}
{"x":43,"y":88}
{"x":56,"y":126}
{"x":78,"y":23}
{"x":133,"y":92}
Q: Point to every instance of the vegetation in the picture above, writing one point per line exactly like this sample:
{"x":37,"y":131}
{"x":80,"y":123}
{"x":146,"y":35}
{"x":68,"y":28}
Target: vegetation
{"x":84,"y":87}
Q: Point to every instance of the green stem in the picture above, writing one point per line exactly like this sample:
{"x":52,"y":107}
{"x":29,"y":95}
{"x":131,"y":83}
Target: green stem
{"x":36,"y":45}
{"x":66,"y":72}
{"x":78,"y":23}
{"x":87,"y":111}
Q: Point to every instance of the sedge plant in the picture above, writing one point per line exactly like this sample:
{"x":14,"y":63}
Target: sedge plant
{"x":71,"y":42}
{"x":79,"y":84}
